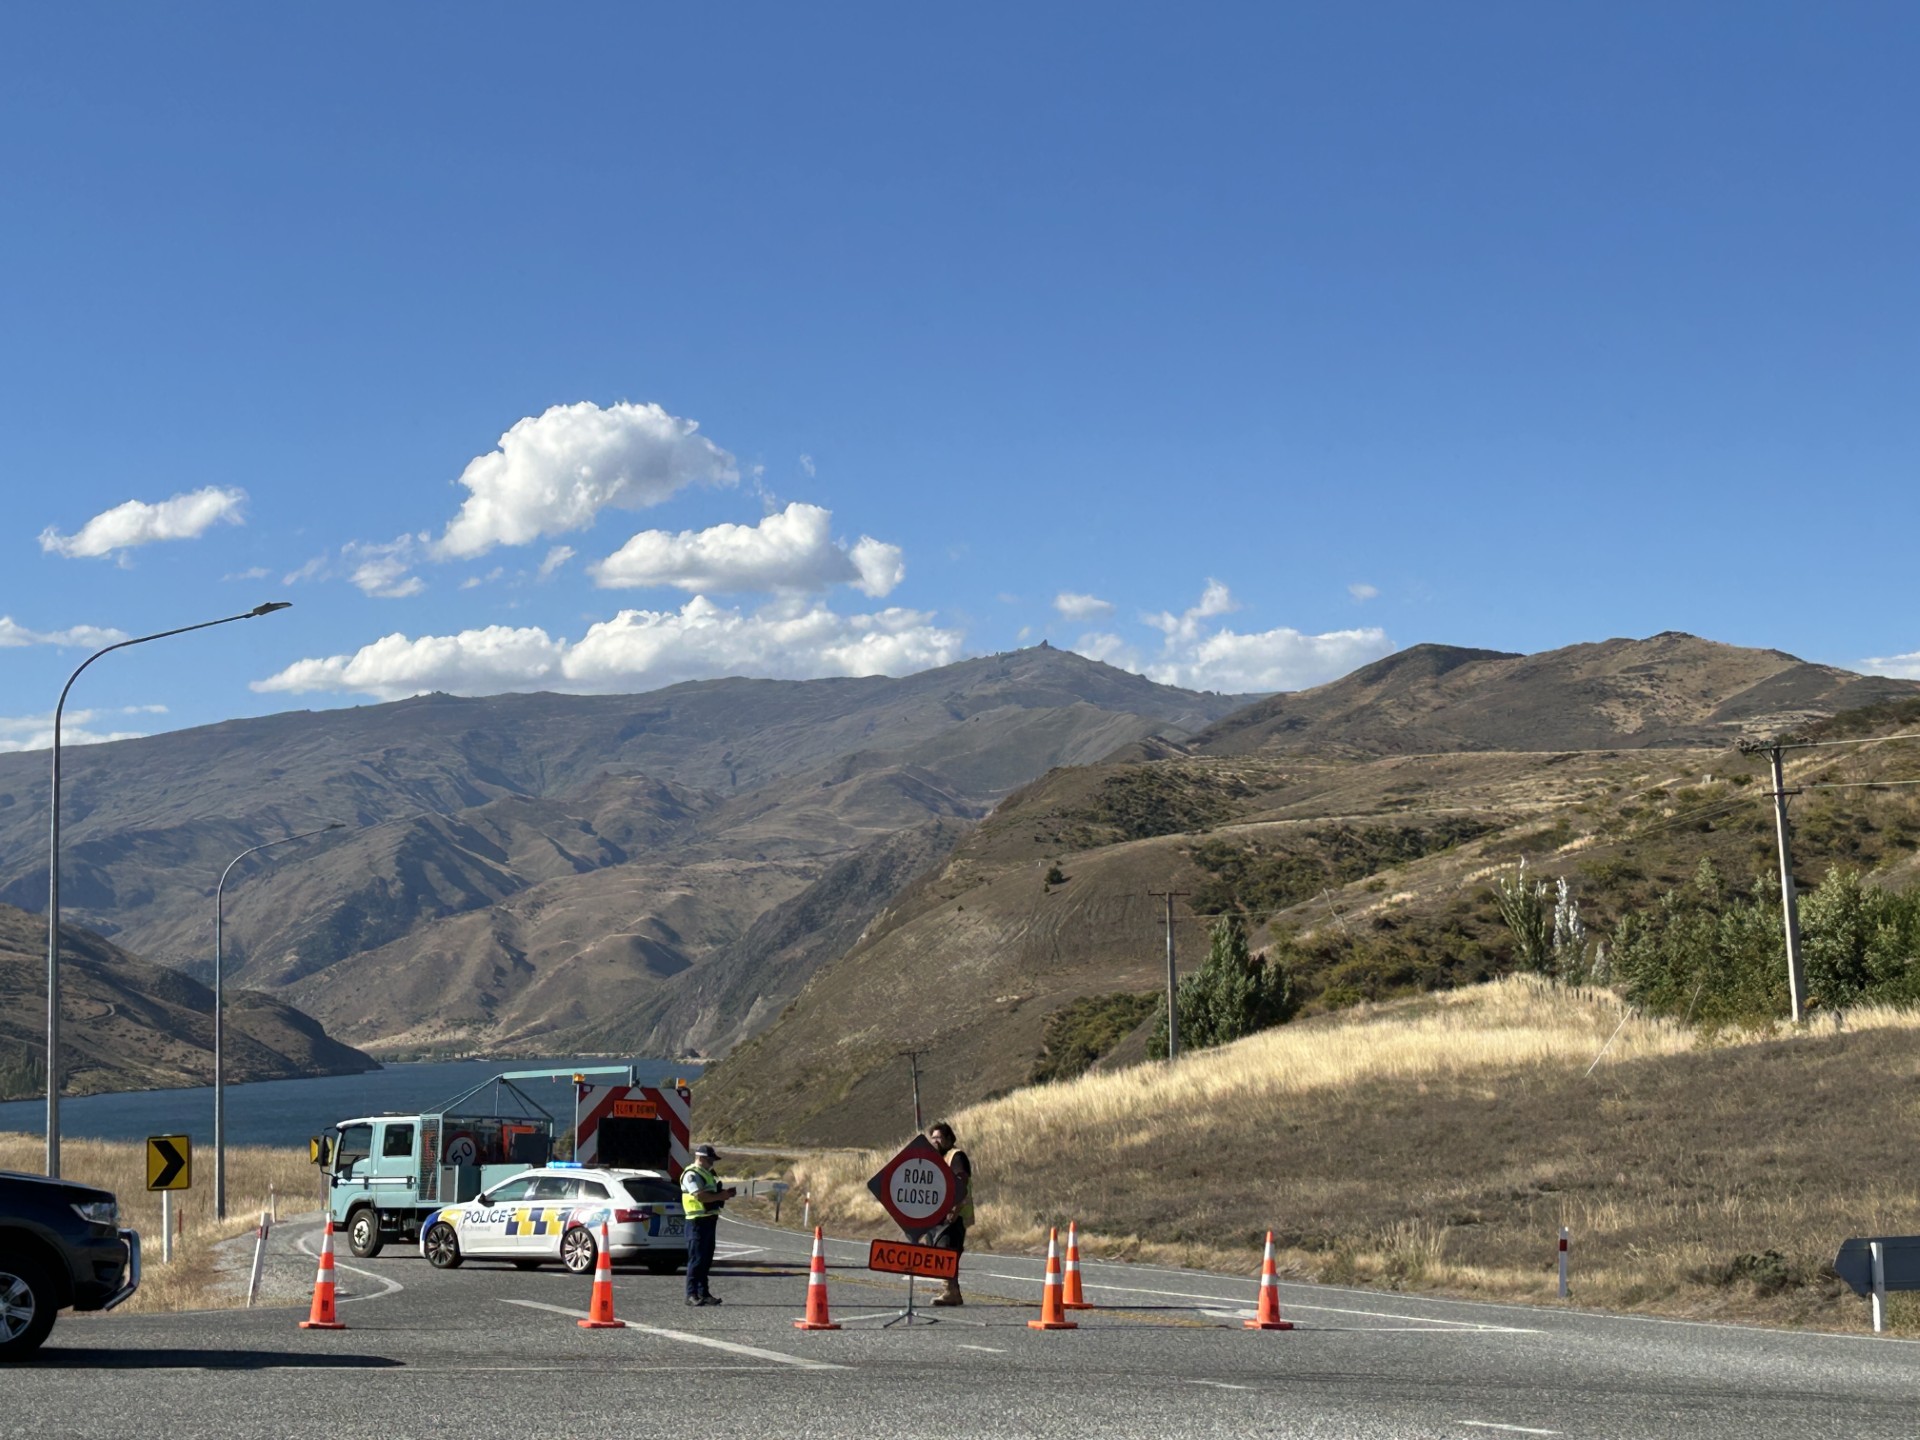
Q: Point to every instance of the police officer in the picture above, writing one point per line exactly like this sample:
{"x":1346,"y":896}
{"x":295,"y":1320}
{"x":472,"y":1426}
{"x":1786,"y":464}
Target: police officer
{"x":702,"y":1196}
{"x":952,"y":1231}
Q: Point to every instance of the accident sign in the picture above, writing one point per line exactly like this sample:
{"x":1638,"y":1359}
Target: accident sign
{"x":893,"y":1257}
{"x":915,"y":1186}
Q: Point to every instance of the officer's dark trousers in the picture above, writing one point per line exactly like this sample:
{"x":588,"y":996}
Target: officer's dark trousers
{"x":700,"y":1242}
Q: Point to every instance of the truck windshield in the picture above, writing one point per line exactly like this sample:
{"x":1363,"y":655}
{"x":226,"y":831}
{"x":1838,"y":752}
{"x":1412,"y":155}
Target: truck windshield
{"x":356,"y":1143}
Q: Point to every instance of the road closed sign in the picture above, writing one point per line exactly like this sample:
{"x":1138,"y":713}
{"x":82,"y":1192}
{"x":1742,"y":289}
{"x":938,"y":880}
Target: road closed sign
{"x":915,"y":1187}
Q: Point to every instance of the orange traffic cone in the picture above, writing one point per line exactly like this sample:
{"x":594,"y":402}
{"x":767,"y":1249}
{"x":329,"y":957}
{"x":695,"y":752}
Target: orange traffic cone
{"x":1052,"y":1315}
{"x":816,"y":1293}
{"x":1269,"y":1316}
{"x":600,"y":1312}
{"x":322,"y":1316}
{"x":1071,"y":1296}
{"x":817,"y":1317}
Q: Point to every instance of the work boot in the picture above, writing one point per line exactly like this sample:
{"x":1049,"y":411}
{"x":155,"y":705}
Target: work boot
{"x":950,"y":1295}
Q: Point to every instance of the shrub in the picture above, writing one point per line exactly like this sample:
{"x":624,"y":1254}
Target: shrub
{"x":1233,"y":994}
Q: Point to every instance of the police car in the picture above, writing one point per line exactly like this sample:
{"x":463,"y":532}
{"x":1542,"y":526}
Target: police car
{"x":555,"y":1213}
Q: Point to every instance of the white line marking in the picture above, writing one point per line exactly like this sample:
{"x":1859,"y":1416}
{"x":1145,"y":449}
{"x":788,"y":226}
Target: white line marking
{"x":394,"y":1287}
{"x":1516,"y":1429}
{"x":1219,"y":1384}
{"x":988,"y":1348}
{"x":685,"y":1338}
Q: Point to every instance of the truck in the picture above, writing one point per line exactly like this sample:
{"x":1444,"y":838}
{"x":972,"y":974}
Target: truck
{"x":387,"y":1173}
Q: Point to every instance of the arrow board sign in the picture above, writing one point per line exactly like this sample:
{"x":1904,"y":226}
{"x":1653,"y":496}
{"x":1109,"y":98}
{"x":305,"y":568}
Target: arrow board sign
{"x":169,"y":1162}
{"x":915,"y":1187}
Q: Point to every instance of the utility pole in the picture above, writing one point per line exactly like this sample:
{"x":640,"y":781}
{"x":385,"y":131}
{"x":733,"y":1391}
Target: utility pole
{"x":1173,"y":1011}
{"x":913,"y":1067}
{"x":1789,"y":899}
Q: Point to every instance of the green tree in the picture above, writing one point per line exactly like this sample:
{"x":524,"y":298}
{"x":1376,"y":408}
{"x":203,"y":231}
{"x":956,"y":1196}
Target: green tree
{"x":1235,"y":993}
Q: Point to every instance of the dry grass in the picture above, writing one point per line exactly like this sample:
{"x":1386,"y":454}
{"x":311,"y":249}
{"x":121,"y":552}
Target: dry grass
{"x":1440,"y":1144}
{"x":194,"y":1281}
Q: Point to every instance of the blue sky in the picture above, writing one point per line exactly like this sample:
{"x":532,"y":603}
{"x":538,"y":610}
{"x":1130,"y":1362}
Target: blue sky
{"x":603,"y":348}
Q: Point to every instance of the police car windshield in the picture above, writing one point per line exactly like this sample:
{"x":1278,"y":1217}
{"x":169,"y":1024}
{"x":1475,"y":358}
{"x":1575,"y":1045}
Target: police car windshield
{"x":651,"y":1192}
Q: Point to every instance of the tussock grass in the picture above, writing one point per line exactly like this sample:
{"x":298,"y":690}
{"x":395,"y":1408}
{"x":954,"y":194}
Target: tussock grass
{"x":1439,"y":1144}
{"x":195,"y":1280}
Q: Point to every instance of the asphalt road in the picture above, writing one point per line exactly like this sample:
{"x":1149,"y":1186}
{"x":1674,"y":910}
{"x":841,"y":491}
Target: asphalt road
{"x":487,"y":1350}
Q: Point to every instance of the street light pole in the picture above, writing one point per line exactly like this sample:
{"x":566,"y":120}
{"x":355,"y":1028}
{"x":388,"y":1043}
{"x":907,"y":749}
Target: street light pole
{"x":53,"y":873}
{"x":219,"y":1020}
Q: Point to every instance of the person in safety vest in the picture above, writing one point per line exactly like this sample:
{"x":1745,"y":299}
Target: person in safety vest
{"x":701,"y":1196}
{"x":951,"y":1233}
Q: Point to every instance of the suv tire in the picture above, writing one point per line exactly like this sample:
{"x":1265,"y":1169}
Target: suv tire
{"x":363,"y":1232}
{"x":27,"y":1307}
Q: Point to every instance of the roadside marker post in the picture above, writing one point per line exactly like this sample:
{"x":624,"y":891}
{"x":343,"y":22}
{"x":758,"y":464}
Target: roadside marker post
{"x":1879,"y":1253}
{"x":1563,"y":1262}
{"x":259,"y":1257}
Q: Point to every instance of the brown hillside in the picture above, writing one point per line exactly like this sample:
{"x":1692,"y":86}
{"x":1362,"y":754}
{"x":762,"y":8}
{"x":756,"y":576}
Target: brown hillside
{"x":128,"y":1025}
{"x":1670,"y":689}
{"x":1376,"y":870}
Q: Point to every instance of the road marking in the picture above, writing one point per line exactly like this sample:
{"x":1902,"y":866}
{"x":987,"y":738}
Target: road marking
{"x":394,"y":1287}
{"x":988,"y":1348}
{"x":1515,"y":1429}
{"x":1219,"y":1384}
{"x":796,"y":1361}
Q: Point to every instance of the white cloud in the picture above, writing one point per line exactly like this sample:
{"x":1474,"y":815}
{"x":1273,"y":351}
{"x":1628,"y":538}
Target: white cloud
{"x":88,"y":637}
{"x":256,"y":572}
{"x":636,"y":650}
{"x":1900,"y":667}
{"x":184,"y":517}
{"x":1082,"y":607}
{"x":1363,"y":592}
{"x":806,"y":466}
{"x":1185,"y":627}
{"x":789,"y":552}
{"x":384,"y":570}
{"x":474,"y":582}
{"x":556,"y":471}
{"x":35,"y":732}
{"x":1109,"y":650}
{"x":556,"y":557}
{"x":315,"y":569}
{"x":1280,"y":659}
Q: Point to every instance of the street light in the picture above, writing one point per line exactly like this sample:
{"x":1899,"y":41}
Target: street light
{"x":219,"y":1021}
{"x":53,"y":874}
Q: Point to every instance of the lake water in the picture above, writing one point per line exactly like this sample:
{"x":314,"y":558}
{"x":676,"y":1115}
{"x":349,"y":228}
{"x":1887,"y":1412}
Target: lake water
{"x":286,"y":1112}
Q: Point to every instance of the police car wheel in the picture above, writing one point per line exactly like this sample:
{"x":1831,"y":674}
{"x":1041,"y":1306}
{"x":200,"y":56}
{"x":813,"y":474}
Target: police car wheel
{"x":578,"y":1250}
{"x":442,"y":1245}
{"x":363,"y":1232}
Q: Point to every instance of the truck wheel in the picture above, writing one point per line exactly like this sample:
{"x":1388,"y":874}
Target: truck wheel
{"x":442,"y":1245}
{"x":26,"y":1307}
{"x":578,"y":1250}
{"x":363,"y":1232}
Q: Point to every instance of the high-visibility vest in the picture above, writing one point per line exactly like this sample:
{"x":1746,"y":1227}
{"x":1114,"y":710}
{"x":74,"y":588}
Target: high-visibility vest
{"x":695,"y":1178}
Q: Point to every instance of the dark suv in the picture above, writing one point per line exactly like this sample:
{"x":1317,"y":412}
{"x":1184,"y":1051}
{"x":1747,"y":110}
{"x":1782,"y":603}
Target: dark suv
{"x":60,"y":1245}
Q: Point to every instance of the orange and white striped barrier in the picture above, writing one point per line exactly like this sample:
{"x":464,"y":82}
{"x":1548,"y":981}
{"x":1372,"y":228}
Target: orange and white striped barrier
{"x":817,"y":1317}
{"x":1268,"y":1316}
{"x":1071,"y":1296}
{"x":1053,"y":1314}
{"x":323,"y":1316}
{"x":600,"y":1311}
